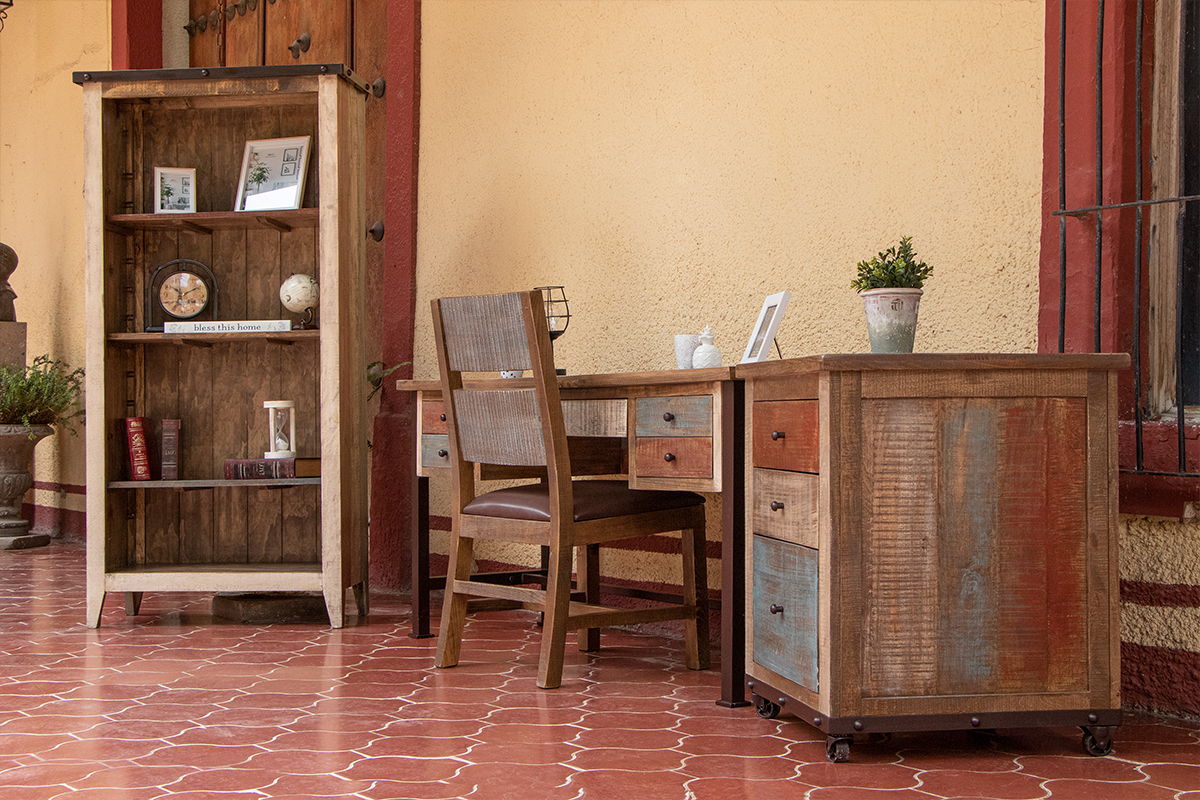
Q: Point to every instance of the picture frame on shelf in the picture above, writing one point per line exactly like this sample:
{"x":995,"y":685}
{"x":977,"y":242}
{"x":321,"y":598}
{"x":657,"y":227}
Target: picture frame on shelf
{"x":758,"y":348}
{"x":174,"y":190}
{"x":273,"y":173}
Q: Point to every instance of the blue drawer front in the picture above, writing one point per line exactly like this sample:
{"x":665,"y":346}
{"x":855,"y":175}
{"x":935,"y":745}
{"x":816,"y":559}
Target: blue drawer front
{"x":785,"y":577}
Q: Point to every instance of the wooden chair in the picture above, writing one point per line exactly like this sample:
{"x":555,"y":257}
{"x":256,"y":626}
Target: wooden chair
{"x":519,"y":422}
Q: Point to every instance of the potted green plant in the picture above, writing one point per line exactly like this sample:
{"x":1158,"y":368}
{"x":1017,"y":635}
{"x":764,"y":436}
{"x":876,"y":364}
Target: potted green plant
{"x":890,"y":286}
{"x":32,"y":400}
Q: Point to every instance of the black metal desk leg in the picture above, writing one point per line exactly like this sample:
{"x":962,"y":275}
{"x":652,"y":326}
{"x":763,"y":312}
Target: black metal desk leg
{"x":733,"y":551}
{"x":420,"y":564}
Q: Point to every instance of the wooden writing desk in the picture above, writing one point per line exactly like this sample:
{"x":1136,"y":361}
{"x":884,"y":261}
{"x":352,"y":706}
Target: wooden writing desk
{"x":679,"y":429}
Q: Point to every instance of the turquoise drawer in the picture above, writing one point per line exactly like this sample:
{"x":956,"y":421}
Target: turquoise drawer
{"x":686,"y":415}
{"x":435,"y":450}
{"x":784,"y":611}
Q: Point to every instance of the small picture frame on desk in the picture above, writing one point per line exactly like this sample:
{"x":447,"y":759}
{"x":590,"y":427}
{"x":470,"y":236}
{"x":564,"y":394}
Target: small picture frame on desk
{"x":759,"y":346}
{"x":174,"y":190}
{"x":273,"y":172}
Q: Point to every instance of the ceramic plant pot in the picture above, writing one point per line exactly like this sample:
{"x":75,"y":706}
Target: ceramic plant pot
{"x":16,"y":457}
{"x":891,"y":318}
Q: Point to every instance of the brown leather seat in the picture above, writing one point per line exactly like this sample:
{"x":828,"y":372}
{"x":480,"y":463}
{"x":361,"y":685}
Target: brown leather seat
{"x":593,"y":500}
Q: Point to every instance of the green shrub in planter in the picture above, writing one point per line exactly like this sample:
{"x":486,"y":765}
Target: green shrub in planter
{"x":894,"y":268}
{"x":44,"y":393}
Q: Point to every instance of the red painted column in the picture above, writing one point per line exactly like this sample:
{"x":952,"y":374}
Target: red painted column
{"x":393,"y":479}
{"x":136,"y":34}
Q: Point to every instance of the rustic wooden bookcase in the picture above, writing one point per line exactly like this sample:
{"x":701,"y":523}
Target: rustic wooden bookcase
{"x":201,"y":532}
{"x":933,"y":543}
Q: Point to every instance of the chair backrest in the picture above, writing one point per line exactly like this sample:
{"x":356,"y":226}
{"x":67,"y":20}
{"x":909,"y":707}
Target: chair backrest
{"x":493,"y":420}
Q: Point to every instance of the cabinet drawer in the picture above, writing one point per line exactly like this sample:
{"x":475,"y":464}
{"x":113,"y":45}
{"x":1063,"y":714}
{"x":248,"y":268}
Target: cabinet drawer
{"x":433,"y":416}
{"x":674,"y":416}
{"x":786,"y":435}
{"x":674,"y":458}
{"x":433,"y":445}
{"x":784,"y":610}
{"x":785,"y":505}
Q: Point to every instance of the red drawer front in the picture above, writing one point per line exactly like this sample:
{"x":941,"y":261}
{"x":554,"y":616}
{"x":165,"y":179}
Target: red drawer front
{"x":433,"y":416}
{"x":674,"y":457}
{"x":787,"y":435}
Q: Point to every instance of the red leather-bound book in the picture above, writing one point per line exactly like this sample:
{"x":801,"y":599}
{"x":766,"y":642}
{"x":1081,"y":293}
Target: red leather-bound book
{"x":139,"y":451}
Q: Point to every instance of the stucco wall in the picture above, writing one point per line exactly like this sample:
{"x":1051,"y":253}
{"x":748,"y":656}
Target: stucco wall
{"x":671,"y":163}
{"x":41,"y":194}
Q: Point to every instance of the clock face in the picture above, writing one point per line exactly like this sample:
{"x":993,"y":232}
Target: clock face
{"x":183,"y":295}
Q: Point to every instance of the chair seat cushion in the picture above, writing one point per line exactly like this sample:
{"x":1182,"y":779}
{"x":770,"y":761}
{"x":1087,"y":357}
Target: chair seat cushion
{"x":593,"y":500}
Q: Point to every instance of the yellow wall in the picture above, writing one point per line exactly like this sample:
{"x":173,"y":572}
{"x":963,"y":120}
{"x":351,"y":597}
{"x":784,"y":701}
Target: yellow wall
{"x":671,"y":163}
{"x":41,"y":179}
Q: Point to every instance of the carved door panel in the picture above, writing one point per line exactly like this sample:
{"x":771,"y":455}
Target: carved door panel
{"x":204,"y":33}
{"x":244,"y":32}
{"x":309,"y":32}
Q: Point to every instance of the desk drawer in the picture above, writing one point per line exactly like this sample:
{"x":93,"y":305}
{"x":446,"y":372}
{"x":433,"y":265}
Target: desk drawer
{"x":786,"y":435}
{"x":433,"y":416}
{"x":433,"y":445}
{"x":784,"y":609}
{"x":784,"y":505}
{"x":674,"y":457}
{"x":686,"y":415}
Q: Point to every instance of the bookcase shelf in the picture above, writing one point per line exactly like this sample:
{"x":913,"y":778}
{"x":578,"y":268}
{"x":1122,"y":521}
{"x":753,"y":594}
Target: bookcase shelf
{"x":206,"y":222}
{"x":278,"y":534}
{"x":209,"y":339}
{"x":272,"y":483}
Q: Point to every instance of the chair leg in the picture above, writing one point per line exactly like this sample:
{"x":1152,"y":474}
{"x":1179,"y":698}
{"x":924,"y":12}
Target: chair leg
{"x":557,"y":607}
{"x":454,"y":604}
{"x":695,"y":593}
{"x":587,"y":568}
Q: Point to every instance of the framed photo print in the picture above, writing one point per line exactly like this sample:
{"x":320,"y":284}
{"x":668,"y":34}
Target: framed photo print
{"x":174,"y":190}
{"x":273,"y":173}
{"x":759,"y":346}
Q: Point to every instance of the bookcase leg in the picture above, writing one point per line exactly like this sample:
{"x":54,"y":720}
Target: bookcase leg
{"x":95,"y":606}
{"x":133,"y":603}
{"x":335,"y":598}
{"x":362,"y":598}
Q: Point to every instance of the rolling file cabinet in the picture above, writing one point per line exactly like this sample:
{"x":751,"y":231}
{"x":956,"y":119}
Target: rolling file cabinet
{"x":933,"y":543}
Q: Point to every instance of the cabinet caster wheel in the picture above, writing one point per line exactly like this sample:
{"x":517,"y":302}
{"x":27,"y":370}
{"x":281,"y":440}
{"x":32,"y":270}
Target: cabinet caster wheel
{"x":837,"y":748}
{"x":1097,"y":741}
{"x":765,"y":708}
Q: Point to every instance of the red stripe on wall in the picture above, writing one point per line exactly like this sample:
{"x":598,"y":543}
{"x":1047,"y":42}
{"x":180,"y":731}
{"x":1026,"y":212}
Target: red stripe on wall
{"x":58,"y":522}
{"x":62,"y":488}
{"x":1160,"y":678}
{"x":1173,"y":595}
{"x":645,"y":544}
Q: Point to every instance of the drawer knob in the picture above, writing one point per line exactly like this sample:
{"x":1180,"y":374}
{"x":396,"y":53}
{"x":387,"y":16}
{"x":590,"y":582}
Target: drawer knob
{"x":776,"y":505}
{"x":777,"y":435}
{"x":776,"y":608}
{"x":668,"y":416}
{"x":442,"y":453}
{"x":442,"y":417}
{"x":668,"y":456}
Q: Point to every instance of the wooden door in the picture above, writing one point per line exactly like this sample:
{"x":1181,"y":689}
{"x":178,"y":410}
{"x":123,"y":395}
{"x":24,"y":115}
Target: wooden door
{"x":309,"y":32}
{"x":205,"y":21}
{"x":244,"y":32}
{"x":369,"y":60}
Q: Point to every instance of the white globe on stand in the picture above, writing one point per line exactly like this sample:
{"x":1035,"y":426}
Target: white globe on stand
{"x":299,"y":293}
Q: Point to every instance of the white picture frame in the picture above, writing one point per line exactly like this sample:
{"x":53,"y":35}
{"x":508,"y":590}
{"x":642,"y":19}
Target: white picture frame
{"x":174,"y":190}
{"x":273,"y":172}
{"x":758,"y":348}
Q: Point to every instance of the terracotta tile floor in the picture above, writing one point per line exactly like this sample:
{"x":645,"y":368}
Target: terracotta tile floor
{"x":170,"y":705}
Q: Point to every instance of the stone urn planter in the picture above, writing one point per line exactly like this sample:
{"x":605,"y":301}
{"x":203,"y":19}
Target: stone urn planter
{"x":16,"y":459}
{"x":891,"y":318}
